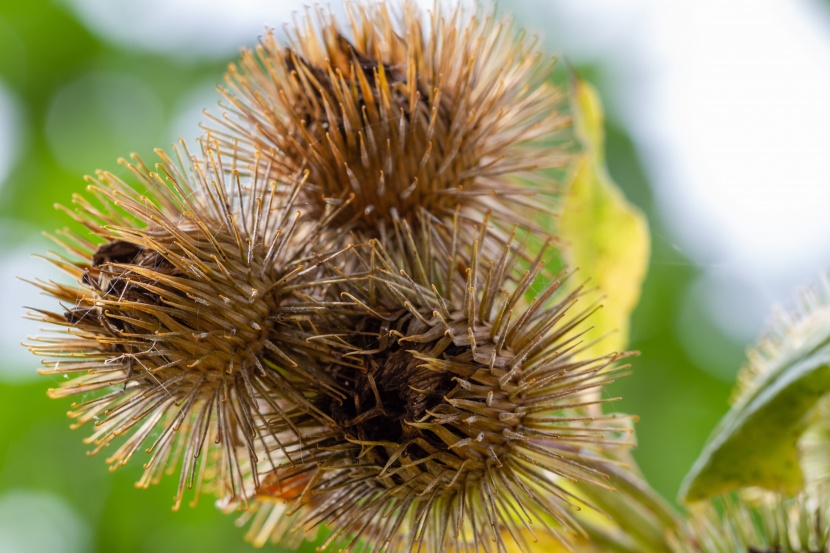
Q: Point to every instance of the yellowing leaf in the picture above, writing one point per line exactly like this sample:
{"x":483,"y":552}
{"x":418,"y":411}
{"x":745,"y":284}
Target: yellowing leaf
{"x":605,"y":236}
{"x":631,"y":518}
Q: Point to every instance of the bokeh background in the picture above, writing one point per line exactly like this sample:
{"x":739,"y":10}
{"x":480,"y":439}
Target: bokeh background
{"x":718,"y":128}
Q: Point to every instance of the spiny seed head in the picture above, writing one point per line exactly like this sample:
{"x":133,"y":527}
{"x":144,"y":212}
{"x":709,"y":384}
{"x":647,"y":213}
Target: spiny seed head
{"x":468,"y":414}
{"x":404,"y":391}
{"x":400,"y":114}
{"x":796,"y":328}
{"x":187,"y":321}
{"x":759,"y":523}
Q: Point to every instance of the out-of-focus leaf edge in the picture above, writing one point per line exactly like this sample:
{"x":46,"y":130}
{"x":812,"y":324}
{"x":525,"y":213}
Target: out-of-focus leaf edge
{"x":756,"y":443}
{"x":605,"y":237}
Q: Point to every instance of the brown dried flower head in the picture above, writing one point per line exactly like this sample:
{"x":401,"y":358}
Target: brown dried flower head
{"x":187,"y":320}
{"x":469,"y":411}
{"x":403,"y":113}
{"x":328,"y":314}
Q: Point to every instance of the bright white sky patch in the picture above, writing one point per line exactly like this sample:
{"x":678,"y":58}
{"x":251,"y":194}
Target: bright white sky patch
{"x":730,"y":103}
{"x":183,"y":28}
{"x":750,"y":98}
{"x":195,"y":28}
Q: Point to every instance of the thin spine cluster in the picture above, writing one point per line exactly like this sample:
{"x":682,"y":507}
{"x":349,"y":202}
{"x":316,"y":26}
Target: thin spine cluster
{"x":399,"y":115}
{"x":767,"y":523}
{"x":188,"y":316}
{"x":469,"y":413}
{"x":336,"y":313}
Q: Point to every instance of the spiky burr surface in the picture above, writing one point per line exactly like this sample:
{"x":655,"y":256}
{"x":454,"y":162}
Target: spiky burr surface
{"x":337,"y":311}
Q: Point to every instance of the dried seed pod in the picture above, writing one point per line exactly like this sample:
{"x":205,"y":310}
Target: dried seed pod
{"x":403,"y":114}
{"x":469,"y":413}
{"x":188,"y":323}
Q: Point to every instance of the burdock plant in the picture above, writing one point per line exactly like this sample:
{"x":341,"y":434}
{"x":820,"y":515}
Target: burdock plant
{"x":399,"y":114}
{"x":340,"y":311}
{"x":759,"y":523}
{"x":761,"y":482}
{"x":185,"y":325}
{"x":467,"y":417}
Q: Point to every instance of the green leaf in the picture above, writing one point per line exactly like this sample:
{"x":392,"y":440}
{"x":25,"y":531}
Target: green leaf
{"x":757,"y":442}
{"x":605,"y":237}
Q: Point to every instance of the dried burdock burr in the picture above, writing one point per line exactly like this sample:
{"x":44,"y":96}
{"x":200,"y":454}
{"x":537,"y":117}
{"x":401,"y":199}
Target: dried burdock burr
{"x":187,"y":322}
{"x":468,"y":416}
{"x":400,"y":113}
{"x":338,"y":314}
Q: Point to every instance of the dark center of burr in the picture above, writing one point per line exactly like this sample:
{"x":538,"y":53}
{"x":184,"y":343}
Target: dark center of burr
{"x":395,"y":392}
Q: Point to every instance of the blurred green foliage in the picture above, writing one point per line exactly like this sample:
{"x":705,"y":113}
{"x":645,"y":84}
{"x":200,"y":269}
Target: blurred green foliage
{"x":44,"y":50}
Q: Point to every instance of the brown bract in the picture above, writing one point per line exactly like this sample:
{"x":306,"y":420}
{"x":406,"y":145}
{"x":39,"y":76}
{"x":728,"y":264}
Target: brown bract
{"x":397,"y":114}
{"x":187,"y":324}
